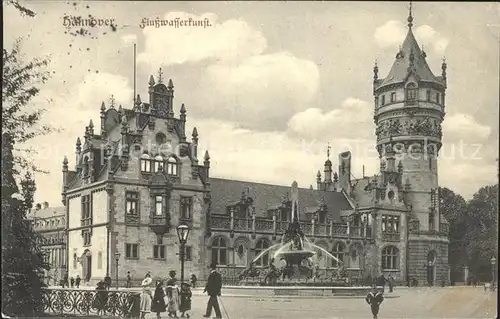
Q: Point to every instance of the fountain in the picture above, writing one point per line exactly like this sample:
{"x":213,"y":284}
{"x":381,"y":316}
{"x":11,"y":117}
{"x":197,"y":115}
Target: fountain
{"x":294,"y":253}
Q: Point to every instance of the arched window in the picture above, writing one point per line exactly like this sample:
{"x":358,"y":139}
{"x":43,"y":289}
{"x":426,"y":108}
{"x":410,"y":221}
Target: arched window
{"x":219,"y":251}
{"x":390,"y":258}
{"x":85,"y":166}
{"x":262,"y":245}
{"x":158,"y":163}
{"x":411,"y":92}
{"x":145,"y":163}
{"x":338,"y":252}
{"x":172,"y":166}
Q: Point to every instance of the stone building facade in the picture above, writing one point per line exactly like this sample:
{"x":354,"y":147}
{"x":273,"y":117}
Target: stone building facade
{"x":50,"y":223}
{"x":140,"y":177}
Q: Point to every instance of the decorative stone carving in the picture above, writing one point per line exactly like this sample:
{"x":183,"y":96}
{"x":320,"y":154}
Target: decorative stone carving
{"x":418,"y":126}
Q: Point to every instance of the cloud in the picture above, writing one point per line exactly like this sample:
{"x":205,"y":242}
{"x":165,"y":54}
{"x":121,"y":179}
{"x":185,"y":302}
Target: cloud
{"x":264,"y":90}
{"x":464,"y":127}
{"x":231,"y":40}
{"x":392,"y":34}
{"x":352,"y":120}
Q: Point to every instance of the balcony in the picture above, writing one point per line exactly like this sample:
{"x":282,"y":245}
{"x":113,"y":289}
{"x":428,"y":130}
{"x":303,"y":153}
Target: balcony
{"x":160,"y":224}
{"x":386,"y":236}
{"x":269,"y":226}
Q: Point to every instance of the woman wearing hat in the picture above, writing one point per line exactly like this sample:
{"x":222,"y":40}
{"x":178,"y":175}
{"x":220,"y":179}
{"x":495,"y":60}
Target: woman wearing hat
{"x":146,"y":296}
{"x":158,"y":304}
{"x":173,"y":295}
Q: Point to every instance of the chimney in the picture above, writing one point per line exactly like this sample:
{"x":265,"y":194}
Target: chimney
{"x":345,"y":171}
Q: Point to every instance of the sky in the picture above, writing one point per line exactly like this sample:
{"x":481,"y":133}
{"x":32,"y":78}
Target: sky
{"x":267,"y":84}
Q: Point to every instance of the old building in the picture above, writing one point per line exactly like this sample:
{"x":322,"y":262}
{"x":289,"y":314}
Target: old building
{"x":139,"y":177}
{"x":50,"y":223}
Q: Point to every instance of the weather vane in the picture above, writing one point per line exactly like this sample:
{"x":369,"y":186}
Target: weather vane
{"x":112,"y":101}
{"x":160,"y":73}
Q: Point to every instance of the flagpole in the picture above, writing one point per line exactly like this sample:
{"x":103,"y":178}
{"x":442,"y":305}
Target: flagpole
{"x":134,"y":74}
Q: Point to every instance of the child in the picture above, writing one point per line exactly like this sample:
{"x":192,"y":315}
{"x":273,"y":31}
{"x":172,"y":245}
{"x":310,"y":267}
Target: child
{"x":185,"y":299}
{"x":374,"y":299}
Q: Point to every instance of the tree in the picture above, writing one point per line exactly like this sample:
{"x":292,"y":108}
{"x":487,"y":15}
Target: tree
{"x":482,"y":231}
{"x":454,"y":209}
{"x":23,"y":262}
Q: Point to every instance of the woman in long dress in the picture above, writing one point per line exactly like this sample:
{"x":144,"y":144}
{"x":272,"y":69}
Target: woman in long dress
{"x":173,"y":298}
{"x":146,"y":297}
{"x":158,"y":304}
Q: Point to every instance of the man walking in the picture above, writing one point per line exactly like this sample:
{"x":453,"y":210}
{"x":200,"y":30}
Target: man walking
{"x":77,"y":281}
{"x":129,"y":280}
{"x":374,"y":299}
{"x":107,"y":281}
{"x":213,"y":289}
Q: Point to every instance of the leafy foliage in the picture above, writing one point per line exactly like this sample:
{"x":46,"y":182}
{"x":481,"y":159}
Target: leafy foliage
{"x":23,"y":262}
{"x":19,"y":118}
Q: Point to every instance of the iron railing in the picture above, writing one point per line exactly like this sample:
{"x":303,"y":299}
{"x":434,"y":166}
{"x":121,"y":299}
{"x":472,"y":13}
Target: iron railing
{"x":89,"y":302}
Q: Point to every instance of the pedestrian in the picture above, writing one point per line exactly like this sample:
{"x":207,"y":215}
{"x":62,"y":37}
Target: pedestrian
{"x":129,"y":280}
{"x":148,"y":275}
{"x":65,"y":281}
{"x":173,"y":295}
{"x":101,"y":297}
{"x":391,"y":283}
{"x":146,"y":297}
{"x":72,"y":281}
{"x":107,"y":281}
{"x":374,"y":299}
{"x":77,"y":281}
{"x":213,"y":289}
{"x":185,"y":305}
{"x":193,"y":280}
{"x":158,"y":304}
{"x":381,"y":281}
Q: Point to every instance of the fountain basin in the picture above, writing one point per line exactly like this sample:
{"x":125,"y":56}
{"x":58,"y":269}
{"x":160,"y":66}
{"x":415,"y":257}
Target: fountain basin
{"x":302,"y":290}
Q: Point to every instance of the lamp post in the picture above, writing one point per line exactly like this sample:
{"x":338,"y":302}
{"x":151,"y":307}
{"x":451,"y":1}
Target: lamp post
{"x":493,"y":262}
{"x":117,"y":258}
{"x":183,"y":234}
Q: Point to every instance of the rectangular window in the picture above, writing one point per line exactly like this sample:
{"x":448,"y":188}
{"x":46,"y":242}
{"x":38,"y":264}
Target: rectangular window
{"x":442,"y":99}
{"x":376,"y":102}
{"x":132,"y":203}
{"x":383,"y":99}
{"x":159,"y":251}
{"x":159,"y":205}
{"x":431,"y":222}
{"x":390,"y":224}
{"x":86,"y":238}
{"x":322,"y":217}
{"x":428,"y":95}
{"x":86,"y":210}
{"x":393,"y":96}
{"x":186,"y":207}
{"x":132,"y":251}
{"x":437,"y":98}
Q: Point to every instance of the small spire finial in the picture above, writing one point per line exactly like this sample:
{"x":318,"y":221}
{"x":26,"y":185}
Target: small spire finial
{"x":112,"y":101}
{"x":410,"y":17}
{"x":160,"y":76}
{"x":328,"y":151}
{"x":375,"y":71}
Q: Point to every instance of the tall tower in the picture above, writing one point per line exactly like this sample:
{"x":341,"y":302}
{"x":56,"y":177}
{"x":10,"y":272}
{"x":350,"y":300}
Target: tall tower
{"x":409,"y":110}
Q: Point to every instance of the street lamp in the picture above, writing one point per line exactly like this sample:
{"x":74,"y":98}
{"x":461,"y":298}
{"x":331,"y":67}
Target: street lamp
{"x":493,"y":262}
{"x":183,"y":234}
{"x":117,"y":258}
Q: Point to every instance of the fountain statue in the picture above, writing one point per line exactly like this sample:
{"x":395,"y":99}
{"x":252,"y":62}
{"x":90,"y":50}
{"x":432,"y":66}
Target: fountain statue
{"x":294,"y":252}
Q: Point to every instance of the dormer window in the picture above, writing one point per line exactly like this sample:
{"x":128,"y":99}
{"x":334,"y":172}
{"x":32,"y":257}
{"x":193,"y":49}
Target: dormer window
{"x":85,"y":167}
{"x":411,"y":92}
{"x":172,"y":166}
{"x":158,"y":163}
{"x":145,"y":163}
{"x":393,"y":97}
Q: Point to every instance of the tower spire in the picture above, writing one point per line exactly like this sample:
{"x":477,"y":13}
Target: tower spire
{"x":160,"y":76}
{"x":328,"y":151}
{"x":410,"y":17}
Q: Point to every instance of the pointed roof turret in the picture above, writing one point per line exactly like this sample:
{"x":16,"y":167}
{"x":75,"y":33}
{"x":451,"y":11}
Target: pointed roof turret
{"x":183,"y":109}
{"x":78,"y":142}
{"x":65,"y":160}
{"x":151,"y":80}
{"x":103,"y":107}
{"x":91,"y":124}
{"x":410,"y":59}
{"x":195,"y":133}
{"x":170,"y":84}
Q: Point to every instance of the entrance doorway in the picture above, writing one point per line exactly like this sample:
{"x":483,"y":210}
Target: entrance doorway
{"x":431,"y":267}
{"x":86,"y":265}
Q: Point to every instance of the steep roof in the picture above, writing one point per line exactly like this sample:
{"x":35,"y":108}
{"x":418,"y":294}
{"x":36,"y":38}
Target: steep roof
{"x":266,"y":196}
{"x":410,"y":58}
{"x":47,"y":212}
